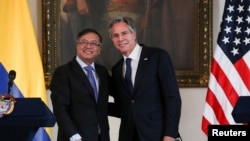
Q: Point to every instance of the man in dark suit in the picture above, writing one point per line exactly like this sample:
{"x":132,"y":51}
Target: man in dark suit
{"x":148,"y":100}
{"x":81,"y":109}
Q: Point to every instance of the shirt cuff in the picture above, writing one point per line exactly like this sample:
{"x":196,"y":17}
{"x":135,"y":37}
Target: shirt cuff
{"x":75,"y":137}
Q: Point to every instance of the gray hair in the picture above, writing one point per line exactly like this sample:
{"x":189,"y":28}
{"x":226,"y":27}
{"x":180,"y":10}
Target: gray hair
{"x":128,"y":20}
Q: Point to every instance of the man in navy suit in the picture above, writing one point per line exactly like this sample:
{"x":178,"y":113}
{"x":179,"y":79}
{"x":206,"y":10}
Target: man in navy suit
{"x":150,"y":110}
{"x":81,"y":113}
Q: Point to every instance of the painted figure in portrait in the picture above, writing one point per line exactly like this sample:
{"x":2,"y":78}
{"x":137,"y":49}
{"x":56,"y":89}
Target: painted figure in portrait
{"x":165,"y":24}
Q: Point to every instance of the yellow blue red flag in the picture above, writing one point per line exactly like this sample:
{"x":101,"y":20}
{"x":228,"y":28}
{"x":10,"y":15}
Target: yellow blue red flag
{"x":19,"y":51}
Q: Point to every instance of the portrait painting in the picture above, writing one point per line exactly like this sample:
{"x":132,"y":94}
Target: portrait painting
{"x":182,"y":28}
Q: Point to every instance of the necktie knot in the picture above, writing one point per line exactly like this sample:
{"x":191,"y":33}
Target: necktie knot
{"x":128,"y":62}
{"x":88,"y":69}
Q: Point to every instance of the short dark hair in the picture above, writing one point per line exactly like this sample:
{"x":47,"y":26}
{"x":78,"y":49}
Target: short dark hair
{"x":89,"y":30}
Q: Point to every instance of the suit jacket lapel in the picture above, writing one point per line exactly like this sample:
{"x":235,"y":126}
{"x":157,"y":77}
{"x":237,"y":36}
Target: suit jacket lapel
{"x":79,"y":72}
{"x":119,"y":72}
{"x":142,"y":62}
{"x":100,"y":75}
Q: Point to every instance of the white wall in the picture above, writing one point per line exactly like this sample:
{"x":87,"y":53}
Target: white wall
{"x":193,"y":99}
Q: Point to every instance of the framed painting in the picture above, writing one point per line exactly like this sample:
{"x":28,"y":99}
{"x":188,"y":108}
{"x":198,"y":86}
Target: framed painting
{"x":183,"y":28}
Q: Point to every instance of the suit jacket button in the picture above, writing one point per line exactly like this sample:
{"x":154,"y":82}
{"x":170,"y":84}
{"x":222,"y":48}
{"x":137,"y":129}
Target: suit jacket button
{"x":133,"y":101}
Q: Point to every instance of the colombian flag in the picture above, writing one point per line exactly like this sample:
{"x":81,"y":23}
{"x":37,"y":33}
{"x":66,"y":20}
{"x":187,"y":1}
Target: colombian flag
{"x":19,"y":51}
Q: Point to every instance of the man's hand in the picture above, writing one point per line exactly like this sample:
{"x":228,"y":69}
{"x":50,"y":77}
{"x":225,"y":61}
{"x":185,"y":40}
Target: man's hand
{"x":168,"y":138}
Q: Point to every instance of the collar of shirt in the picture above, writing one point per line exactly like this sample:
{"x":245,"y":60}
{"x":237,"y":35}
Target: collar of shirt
{"x":82,"y":64}
{"x":134,"y":55}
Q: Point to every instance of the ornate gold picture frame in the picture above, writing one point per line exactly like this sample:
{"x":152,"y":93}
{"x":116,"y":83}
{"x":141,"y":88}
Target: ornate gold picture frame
{"x":183,"y":28}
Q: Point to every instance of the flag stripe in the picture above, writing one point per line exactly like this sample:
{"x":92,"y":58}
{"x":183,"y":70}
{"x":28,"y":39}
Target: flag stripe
{"x":205,"y":125}
{"x":244,"y":72}
{"x":223,"y":81}
{"x":247,"y":56}
{"x":230,"y":73}
{"x":217,"y":95}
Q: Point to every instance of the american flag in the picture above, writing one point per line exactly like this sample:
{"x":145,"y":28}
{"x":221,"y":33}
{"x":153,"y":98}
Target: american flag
{"x":230,"y":69}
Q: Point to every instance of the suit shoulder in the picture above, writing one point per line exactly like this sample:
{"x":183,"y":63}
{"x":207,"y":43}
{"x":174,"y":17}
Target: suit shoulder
{"x":155,"y":50}
{"x":66,"y":67}
{"x":118,"y":63}
{"x":101,"y":69}
{"x":62,"y":67}
{"x":98,"y":66}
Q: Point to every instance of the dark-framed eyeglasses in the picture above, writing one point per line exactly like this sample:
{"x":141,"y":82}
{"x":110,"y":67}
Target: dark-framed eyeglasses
{"x":92,"y":43}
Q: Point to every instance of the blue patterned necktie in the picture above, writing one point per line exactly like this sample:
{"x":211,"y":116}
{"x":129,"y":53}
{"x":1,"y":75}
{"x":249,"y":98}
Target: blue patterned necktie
{"x":92,"y":80}
{"x":128,"y":75}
